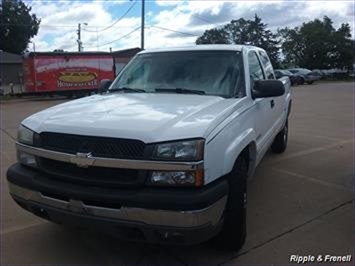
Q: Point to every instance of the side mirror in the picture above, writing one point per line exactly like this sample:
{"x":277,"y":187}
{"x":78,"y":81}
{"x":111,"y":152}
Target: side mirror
{"x":104,"y":85}
{"x":268,"y":88}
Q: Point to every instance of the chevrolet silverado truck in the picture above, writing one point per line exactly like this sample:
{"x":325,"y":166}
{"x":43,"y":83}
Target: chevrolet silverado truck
{"x":164,"y":153}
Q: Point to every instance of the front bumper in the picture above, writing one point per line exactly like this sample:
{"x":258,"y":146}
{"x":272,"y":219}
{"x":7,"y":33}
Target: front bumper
{"x":158,"y":215}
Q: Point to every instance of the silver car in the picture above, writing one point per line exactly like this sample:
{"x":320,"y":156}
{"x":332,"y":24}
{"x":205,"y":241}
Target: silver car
{"x":305,"y":74}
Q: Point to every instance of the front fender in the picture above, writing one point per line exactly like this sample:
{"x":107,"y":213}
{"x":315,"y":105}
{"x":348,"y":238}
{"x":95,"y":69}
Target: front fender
{"x":236,"y":147}
{"x":222,"y":151}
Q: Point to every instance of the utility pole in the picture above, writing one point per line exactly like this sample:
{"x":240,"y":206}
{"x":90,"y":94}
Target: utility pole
{"x":142,"y":29}
{"x":80,"y":43}
{"x":34,"y":60}
{"x":79,"y":37}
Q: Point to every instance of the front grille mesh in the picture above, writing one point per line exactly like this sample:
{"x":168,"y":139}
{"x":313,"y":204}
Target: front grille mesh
{"x":91,"y":176}
{"x":98,"y":146}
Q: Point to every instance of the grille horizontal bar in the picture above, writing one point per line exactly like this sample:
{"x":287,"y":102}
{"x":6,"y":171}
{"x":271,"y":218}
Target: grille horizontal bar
{"x":91,"y":176}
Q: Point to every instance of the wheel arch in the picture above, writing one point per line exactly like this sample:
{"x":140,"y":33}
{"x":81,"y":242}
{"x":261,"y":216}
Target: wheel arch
{"x":249,"y":152}
{"x":247,"y":149}
{"x":289,"y":107}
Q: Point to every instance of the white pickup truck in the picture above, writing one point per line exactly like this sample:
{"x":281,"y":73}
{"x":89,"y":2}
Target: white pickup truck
{"x":161,"y":155}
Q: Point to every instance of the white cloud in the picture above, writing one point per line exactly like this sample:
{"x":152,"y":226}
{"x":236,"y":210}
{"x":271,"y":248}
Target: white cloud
{"x":59,"y":24}
{"x":60,"y":18}
{"x":167,"y":2}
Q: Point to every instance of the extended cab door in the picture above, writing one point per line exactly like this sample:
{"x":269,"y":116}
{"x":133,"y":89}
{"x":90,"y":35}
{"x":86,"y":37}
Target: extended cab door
{"x":264,"y":117}
{"x":277,"y":102}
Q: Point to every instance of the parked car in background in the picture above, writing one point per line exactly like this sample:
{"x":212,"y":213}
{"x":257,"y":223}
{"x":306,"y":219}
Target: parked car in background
{"x":294,"y":78}
{"x":305,"y":74}
{"x":319,"y":72}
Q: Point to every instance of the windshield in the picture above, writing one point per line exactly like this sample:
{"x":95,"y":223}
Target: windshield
{"x":203,"y":72}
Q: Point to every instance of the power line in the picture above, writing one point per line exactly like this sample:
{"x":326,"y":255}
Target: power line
{"x":116,"y":40}
{"x":136,"y":29}
{"x":167,"y":29}
{"x":203,"y":19}
{"x":118,"y":20}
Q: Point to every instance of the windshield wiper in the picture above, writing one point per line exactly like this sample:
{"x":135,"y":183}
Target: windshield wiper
{"x":126,"y":89}
{"x":179,"y":90}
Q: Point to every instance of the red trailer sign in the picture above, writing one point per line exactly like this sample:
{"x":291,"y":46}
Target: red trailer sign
{"x":66,"y":72}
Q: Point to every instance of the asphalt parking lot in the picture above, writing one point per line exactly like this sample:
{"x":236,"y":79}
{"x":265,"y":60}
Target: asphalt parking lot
{"x":299,"y":203}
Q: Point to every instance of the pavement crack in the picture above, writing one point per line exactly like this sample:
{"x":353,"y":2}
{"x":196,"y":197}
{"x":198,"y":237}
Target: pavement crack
{"x":8,"y":134}
{"x":288,"y":231}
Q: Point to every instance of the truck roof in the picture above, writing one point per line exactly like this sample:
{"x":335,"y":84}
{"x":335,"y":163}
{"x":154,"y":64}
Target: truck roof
{"x":203,"y":47}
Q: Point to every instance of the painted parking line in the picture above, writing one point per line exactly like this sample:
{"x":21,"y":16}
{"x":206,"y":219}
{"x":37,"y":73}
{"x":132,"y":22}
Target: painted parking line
{"x":313,"y":150}
{"x":316,"y":136}
{"x":314,"y":180}
{"x":15,"y":229}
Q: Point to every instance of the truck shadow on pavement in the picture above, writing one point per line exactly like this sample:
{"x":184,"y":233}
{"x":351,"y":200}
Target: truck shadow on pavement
{"x":114,"y":250}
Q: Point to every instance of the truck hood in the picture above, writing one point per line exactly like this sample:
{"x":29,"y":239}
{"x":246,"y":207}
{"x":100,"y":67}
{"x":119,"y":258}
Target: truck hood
{"x":150,"y":117}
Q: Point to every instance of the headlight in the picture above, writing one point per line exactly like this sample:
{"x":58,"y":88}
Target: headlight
{"x":187,"y":150}
{"x":177,"y":178}
{"x":25,"y":135}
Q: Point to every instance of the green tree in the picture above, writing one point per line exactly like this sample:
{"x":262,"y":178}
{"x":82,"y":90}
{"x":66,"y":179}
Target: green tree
{"x":343,"y":48}
{"x":213,"y":36}
{"x":17,"y":26}
{"x":241,"y":31}
{"x":317,"y":44}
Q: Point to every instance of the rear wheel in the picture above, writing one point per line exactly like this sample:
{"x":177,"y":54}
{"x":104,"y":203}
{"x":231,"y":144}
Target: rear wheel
{"x":280,"y":142}
{"x":310,"y":82}
{"x":233,"y":232}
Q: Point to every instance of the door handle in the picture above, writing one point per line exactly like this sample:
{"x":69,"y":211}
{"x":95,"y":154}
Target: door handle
{"x":272,"y":103}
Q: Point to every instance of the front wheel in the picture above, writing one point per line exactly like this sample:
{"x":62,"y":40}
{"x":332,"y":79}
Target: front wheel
{"x":233,"y":232}
{"x":280,"y":142}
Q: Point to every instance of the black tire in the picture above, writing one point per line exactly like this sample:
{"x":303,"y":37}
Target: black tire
{"x":280,"y":142}
{"x":302,"y":80}
{"x":309,"y":82}
{"x":233,"y":233}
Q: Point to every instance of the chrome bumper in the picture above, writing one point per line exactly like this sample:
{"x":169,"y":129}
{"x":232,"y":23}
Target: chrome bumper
{"x":210,"y":215}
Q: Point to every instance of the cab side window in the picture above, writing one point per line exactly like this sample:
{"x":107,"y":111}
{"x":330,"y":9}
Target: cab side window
{"x":267,"y":65}
{"x":255,"y":68}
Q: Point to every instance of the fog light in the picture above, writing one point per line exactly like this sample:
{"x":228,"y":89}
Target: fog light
{"x":26,"y":159}
{"x":178,"y":178}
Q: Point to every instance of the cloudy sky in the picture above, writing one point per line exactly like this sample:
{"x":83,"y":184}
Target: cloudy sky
{"x":116,"y":23}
